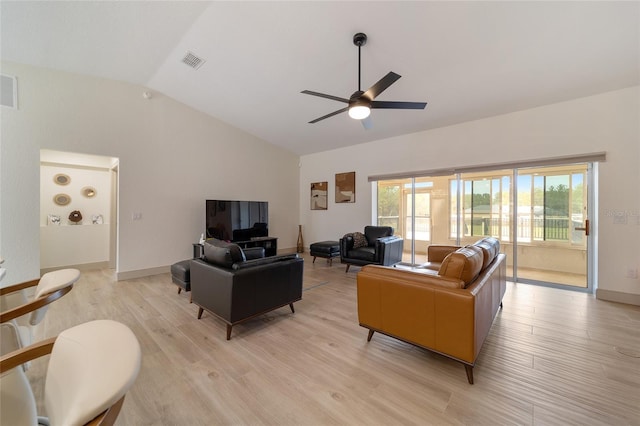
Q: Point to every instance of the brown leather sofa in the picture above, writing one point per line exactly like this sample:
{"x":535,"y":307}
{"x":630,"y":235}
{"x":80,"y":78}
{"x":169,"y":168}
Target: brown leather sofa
{"x":236,"y":285}
{"x":446,"y":306}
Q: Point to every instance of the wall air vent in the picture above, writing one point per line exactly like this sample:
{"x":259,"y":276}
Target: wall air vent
{"x":193,"y":61}
{"x":8,"y":91}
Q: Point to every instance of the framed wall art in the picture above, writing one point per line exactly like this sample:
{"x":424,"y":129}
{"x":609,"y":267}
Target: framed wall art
{"x":346,"y":187}
{"x":319,"y":192}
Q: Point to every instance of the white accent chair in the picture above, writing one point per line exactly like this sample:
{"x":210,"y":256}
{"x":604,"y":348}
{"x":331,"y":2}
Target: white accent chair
{"x":15,"y":304}
{"x":91,"y":368}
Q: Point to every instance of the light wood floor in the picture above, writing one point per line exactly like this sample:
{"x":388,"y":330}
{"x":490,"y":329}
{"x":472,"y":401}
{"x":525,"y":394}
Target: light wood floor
{"x":551,"y":359}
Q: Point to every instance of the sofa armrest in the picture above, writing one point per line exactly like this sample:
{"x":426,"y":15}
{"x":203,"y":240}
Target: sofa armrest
{"x":346,"y":244}
{"x":211,"y":287}
{"x":389,"y":250}
{"x":436,"y":252}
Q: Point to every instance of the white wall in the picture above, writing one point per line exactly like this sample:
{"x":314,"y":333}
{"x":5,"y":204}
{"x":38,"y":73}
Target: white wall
{"x":607,"y":122}
{"x":172,"y":158}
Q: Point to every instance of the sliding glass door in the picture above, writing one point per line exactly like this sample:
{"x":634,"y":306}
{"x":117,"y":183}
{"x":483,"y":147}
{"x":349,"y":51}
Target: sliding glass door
{"x":552,"y":221}
{"x":545,"y":236}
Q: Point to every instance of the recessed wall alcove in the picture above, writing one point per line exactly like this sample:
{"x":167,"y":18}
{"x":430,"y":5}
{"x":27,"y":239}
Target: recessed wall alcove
{"x":89,"y":186}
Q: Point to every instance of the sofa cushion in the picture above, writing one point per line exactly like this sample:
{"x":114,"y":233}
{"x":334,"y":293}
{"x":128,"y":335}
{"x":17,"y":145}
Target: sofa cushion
{"x":222,"y":253}
{"x":490,"y":248}
{"x":359,"y":240}
{"x":363,"y":253}
{"x":374,"y":232}
{"x":464,"y":264}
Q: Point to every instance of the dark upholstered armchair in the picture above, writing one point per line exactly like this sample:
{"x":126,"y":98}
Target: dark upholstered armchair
{"x":382,"y":248}
{"x":236,"y":285}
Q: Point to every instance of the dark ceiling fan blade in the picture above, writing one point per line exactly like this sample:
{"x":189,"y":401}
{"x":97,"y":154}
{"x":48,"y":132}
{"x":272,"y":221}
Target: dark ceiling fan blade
{"x":398,"y":105}
{"x":367,"y":123}
{"x":381,"y":85}
{"x":329,"y":115}
{"x":323,"y":95}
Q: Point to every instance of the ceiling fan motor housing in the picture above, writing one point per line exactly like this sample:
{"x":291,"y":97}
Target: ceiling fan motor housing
{"x":359,"y":98}
{"x":360,"y":39}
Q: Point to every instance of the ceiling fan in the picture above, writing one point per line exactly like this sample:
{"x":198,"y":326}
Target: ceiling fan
{"x":361,"y":103}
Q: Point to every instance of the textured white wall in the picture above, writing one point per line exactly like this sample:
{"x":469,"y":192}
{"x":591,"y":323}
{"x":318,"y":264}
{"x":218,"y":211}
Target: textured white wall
{"x":172,"y":158}
{"x":607,"y":122}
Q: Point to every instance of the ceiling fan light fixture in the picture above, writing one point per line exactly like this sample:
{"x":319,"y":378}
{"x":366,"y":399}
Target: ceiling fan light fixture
{"x":359,"y":111}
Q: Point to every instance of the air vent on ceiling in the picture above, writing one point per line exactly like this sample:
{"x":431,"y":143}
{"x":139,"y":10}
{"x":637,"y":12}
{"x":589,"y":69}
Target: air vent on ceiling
{"x":8,"y":91}
{"x":193,"y":61}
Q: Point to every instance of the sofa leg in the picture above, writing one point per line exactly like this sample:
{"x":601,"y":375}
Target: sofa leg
{"x":469,"y":369}
{"x":314,"y":259}
{"x":179,"y":290}
{"x":370,"y":335}
{"x":229,"y":327}
{"x":200,"y":311}
{"x":500,"y":305}
{"x":348,"y":265}
{"x":293,"y":311}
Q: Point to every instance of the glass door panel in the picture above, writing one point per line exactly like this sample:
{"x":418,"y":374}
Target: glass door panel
{"x":551,"y":248}
{"x":418,"y":209}
{"x":487,"y":208}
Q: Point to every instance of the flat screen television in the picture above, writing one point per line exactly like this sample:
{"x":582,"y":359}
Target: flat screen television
{"x":230,"y":220}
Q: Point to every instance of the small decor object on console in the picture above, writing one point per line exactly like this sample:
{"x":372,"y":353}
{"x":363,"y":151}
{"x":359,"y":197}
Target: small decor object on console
{"x":97,"y":219}
{"x":53,"y":219}
{"x":75,"y":216}
{"x":300,"y":245}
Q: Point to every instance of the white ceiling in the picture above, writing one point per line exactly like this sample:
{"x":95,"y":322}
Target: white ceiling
{"x":468,"y":60}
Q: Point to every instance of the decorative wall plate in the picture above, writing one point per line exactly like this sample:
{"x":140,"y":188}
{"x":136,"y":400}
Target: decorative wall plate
{"x":62,"y":179}
{"x":61,"y":199}
{"x":89,"y":191}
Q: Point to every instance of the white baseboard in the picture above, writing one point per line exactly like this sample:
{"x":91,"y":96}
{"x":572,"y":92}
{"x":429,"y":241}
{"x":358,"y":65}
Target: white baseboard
{"x":141,"y":273}
{"x":617,"y":296}
{"x":81,"y":267}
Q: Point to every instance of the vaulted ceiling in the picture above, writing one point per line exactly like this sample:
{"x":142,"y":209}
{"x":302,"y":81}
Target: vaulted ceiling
{"x":468,"y":60}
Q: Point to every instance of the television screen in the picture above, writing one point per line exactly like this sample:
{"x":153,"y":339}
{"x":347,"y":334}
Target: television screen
{"x":237,"y":220}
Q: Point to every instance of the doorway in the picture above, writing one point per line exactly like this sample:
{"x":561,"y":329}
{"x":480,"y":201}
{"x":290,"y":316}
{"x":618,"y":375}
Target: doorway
{"x":78,"y":220}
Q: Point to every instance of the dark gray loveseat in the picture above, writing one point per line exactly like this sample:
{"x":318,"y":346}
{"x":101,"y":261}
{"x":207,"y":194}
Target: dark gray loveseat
{"x":235,"y":289}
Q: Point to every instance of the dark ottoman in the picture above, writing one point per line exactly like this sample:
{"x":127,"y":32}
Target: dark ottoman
{"x":181,"y":276}
{"x":326,"y":249}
